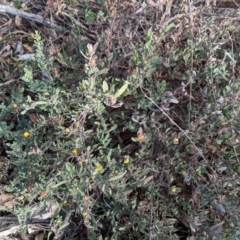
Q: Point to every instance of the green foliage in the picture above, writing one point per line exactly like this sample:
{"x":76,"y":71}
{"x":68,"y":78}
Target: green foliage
{"x":142,"y":140}
{"x":17,"y":3}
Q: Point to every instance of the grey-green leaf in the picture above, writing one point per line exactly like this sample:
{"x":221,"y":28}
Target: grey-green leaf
{"x":169,"y":27}
{"x":119,"y":176}
{"x":121,"y":90}
{"x":105,"y":86}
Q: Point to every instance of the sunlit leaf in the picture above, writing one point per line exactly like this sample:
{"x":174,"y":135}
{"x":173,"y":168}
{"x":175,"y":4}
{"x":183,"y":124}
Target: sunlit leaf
{"x":121,"y":90}
{"x":169,"y":27}
{"x":117,"y":177}
{"x":105,"y":86}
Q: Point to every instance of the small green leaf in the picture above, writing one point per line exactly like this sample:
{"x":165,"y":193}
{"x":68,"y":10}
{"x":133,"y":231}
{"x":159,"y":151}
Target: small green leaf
{"x":55,"y":98}
{"x":103,"y":71}
{"x":69,"y":167}
{"x":57,"y":91}
{"x":169,"y":27}
{"x":220,"y":207}
{"x":149,"y":34}
{"x":33,"y":105}
{"x":39,"y":103}
{"x":105,"y":86}
{"x":148,"y":38}
{"x":120,"y":175}
{"x":148,"y":43}
{"x":121,"y":90}
{"x":63,"y":226}
{"x":59,"y":184}
{"x":29,"y":99}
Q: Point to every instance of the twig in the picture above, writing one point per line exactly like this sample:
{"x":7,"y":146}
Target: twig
{"x":174,"y":123}
{"x":22,"y":14}
{"x":8,"y":82}
{"x":167,"y":12}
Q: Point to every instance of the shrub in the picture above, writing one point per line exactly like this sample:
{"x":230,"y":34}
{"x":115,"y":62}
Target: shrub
{"x":141,"y":143}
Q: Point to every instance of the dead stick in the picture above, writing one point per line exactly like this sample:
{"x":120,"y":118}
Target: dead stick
{"x":22,"y":14}
{"x":8,"y":82}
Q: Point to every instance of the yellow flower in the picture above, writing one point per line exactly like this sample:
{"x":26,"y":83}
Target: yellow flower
{"x":84,"y":213}
{"x":126,"y":161}
{"x":183,"y":173}
{"x":141,"y":137}
{"x":116,"y":171}
{"x":14,"y":106}
{"x":222,"y":122}
{"x":74,"y":151}
{"x":173,"y":189}
{"x":176,"y":140}
{"x":67,"y":130}
{"x":59,"y":222}
{"x":99,"y":167}
{"x":26,"y":134}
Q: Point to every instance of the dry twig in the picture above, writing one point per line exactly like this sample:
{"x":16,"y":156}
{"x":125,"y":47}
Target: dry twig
{"x":22,"y":14}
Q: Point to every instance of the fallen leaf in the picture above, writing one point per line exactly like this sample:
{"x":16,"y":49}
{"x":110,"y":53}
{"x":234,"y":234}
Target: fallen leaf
{"x":39,"y":236}
{"x":34,"y":118}
{"x":147,"y":180}
{"x":173,"y":100}
{"x":5,"y":197}
{"x":156,"y":4}
{"x":10,"y":231}
{"x":43,"y":212}
{"x":216,"y":229}
{"x":196,"y":197}
{"x":212,"y":148}
{"x":18,"y":21}
{"x":7,"y":200}
{"x":53,"y":3}
{"x":27,"y":48}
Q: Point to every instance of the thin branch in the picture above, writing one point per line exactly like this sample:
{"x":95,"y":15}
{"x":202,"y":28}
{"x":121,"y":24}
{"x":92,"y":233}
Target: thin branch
{"x":22,"y":14}
{"x":7,"y":83}
{"x":174,"y":123}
